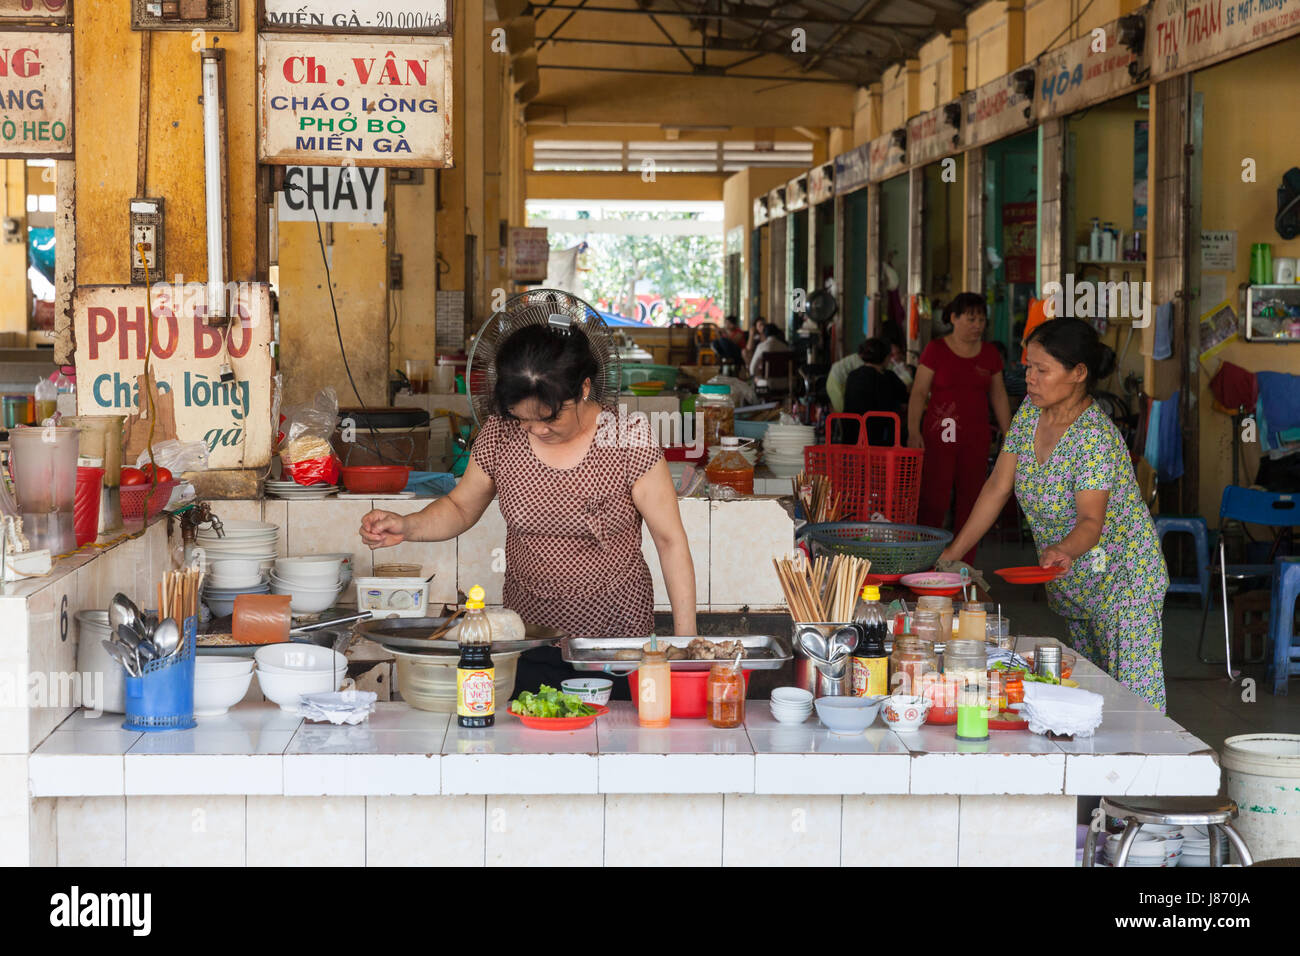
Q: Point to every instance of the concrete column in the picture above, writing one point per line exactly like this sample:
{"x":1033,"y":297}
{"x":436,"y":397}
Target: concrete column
{"x":1051,"y":201}
{"x":973,"y":249}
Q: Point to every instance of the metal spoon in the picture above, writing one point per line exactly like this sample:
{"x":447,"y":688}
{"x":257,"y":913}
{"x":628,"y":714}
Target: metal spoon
{"x":122,"y":610}
{"x":167,"y":638}
{"x":124,"y":657}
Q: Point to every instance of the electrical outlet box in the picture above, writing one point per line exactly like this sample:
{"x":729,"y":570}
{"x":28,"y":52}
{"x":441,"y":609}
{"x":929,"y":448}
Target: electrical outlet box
{"x":394,"y":272}
{"x":185,"y":15}
{"x":147,"y":230}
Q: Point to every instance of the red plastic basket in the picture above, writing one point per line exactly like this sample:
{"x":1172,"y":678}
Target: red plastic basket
{"x":133,"y":499}
{"x":869,"y":478}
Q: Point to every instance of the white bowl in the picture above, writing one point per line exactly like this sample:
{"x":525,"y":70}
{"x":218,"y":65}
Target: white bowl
{"x":224,"y":566}
{"x":792,"y":695}
{"x":312,"y":571}
{"x":307,"y":600}
{"x":220,"y":668}
{"x":220,"y":606}
{"x":214,"y":696}
{"x":300,"y":657}
{"x":847,"y":716}
{"x":287,"y":689}
{"x":593,"y":690}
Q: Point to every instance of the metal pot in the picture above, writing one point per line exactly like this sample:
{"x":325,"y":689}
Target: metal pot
{"x":428,"y":681}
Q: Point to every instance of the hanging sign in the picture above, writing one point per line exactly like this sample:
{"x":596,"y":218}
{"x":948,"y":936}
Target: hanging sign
{"x":332,"y":194}
{"x":530,"y":254}
{"x":886,"y":159}
{"x":996,"y":110}
{"x":821,"y":183}
{"x":931,"y":137}
{"x":379,"y":16}
{"x":335,"y":101}
{"x":1085,"y":71}
{"x":852,"y":169}
{"x":35,"y":9}
{"x":1183,"y":34}
{"x":36,"y":93}
{"x":796,"y":194}
{"x":190,"y":400}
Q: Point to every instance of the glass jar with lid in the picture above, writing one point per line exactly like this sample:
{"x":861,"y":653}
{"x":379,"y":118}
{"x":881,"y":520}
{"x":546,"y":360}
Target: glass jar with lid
{"x":971,"y":622}
{"x":966,"y":663}
{"x":725,"y":695}
{"x":911,"y":660}
{"x":943,"y":605}
{"x":928,"y":625}
{"x":718,"y":411}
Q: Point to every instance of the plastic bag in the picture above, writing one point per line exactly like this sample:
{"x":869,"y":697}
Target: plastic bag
{"x":305,"y":451}
{"x":177,"y":456}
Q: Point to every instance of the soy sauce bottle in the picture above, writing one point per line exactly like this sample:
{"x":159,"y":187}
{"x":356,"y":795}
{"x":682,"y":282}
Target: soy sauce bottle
{"x":475,"y":675}
{"x":870,"y":662}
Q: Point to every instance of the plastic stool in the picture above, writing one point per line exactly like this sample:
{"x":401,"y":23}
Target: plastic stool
{"x":1281,"y":618}
{"x":1215,"y":815}
{"x":1197,"y":528}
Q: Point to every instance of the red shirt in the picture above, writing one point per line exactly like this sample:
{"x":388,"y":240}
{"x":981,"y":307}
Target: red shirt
{"x":960,"y":390}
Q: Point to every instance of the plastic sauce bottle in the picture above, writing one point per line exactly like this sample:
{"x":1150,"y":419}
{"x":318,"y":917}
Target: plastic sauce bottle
{"x":654,"y":698}
{"x":475,"y":675}
{"x":727,"y":466}
{"x":870,"y":662}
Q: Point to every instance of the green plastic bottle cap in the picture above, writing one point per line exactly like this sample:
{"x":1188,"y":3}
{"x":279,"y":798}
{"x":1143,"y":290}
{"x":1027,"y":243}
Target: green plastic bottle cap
{"x":715,"y":389}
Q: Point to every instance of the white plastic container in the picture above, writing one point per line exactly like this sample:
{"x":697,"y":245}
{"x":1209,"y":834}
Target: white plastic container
{"x":393,"y":597}
{"x":1262,"y":774}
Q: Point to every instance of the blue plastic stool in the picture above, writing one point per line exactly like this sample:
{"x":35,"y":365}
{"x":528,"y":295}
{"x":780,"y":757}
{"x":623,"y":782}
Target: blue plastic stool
{"x":1197,"y":528}
{"x":1286,"y":591}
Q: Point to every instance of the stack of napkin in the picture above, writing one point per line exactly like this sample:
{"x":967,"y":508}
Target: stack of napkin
{"x":1050,"y":708}
{"x":338,"y":707}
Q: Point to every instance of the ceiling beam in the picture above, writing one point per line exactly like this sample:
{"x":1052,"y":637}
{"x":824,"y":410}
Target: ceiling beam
{"x":711,"y":71}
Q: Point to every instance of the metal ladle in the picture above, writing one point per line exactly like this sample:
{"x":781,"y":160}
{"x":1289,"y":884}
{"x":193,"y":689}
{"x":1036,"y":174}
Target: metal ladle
{"x":167,"y":638}
{"x":124,"y":657}
{"x":122,"y":610}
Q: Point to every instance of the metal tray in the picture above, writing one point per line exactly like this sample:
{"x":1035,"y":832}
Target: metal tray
{"x":763,"y":652}
{"x":337,"y":639}
{"x":409,"y":635}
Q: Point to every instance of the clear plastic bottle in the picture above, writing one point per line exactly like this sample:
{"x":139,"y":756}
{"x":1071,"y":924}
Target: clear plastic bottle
{"x":654,"y":699}
{"x":47,"y":400}
{"x":719,"y":412}
{"x":727,"y":466}
{"x":66,"y":397}
{"x":475,"y":675}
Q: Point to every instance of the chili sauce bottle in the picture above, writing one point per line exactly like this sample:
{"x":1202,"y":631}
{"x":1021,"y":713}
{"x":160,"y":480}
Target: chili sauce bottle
{"x":475,"y":675}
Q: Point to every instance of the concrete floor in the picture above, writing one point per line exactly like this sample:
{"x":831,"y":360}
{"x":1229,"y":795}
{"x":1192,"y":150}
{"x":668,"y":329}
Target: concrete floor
{"x":1200,"y":697}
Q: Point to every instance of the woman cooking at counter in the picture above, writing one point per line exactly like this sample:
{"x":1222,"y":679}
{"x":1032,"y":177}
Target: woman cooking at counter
{"x":573,"y":492}
{"x":1073,"y":478}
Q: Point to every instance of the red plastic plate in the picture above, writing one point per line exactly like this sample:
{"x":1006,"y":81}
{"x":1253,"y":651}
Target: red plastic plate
{"x":1029,"y":575}
{"x":1008,"y":720}
{"x":560,"y":723}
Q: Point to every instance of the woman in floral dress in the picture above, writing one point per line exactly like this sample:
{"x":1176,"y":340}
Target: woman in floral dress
{"x":1073,"y":478}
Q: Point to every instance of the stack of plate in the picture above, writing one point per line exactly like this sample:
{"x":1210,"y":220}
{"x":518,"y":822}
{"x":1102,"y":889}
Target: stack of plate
{"x":1148,"y":849}
{"x":293,"y":490}
{"x":236,"y":563}
{"x":1196,"y":847}
{"x":783,"y":447}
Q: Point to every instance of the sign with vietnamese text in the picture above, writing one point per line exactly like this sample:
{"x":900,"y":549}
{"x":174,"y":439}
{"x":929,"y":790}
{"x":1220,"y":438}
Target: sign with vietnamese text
{"x":796,"y":194}
{"x":113,"y":332}
{"x":886,"y":158}
{"x":852,"y":169}
{"x":36,"y":93}
{"x":1219,"y":250}
{"x":35,"y":9}
{"x":1182,"y":34}
{"x":334,"y":101}
{"x":997,"y":110}
{"x":776,"y":203}
{"x":821,"y":183}
{"x":930,"y":136}
{"x":332,"y":194}
{"x":1089,"y":70}
{"x":378,"y":16}
{"x":530,"y":254}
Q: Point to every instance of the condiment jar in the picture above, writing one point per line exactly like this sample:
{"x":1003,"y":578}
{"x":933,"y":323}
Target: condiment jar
{"x":971,"y":622}
{"x":911,"y":660}
{"x":928,"y":625}
{"x":728,"y":466}
{"x":725,"y":695}
{"x":719,"y":412}
{"x":933,"y":602}
{"x":654,"y":698}
{"x":966,"y":661}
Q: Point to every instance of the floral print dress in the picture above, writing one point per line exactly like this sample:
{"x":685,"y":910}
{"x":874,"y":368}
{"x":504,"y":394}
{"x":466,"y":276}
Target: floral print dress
{"x":1112,"y":596}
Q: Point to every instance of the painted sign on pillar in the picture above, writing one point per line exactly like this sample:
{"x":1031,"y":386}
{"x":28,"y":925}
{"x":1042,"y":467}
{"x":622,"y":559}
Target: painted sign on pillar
{"x":35,"y":9}
{"x":935,"y":134}
{"x":888,"y":157}
{"x":1182,"y":34}
{"x":332,"y":193}
{"x":36,"y":93}
{"x":113,"y":333}
{"x":852,"y":169}
{"x":999,"y":108}
{"x":529,"y":254}
{"x":1091,"y":69}
{"x":821,"y":183}
{"x":339,"y":100}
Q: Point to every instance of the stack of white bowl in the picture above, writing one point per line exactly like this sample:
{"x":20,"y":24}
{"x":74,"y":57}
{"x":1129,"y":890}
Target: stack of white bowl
{"x":236,"y":562}
{"x":287,"y":671}
{"x":313,"y":582}
{"x":1150,"y":848}
{"x":1196,"y":847}
{"x":220,"y":683}
{"x":783,"y":447}
{"x":791,"y":705}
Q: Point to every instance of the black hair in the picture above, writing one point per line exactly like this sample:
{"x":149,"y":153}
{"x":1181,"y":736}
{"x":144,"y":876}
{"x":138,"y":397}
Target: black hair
{"x":1074,"y":342}
{"x":731,"y":320}
{"x":873,"y":351}
{"x":545,"y":364}
{"x":892,"y":333}
{"x":772,"y":331}
{"x":964,"y":302}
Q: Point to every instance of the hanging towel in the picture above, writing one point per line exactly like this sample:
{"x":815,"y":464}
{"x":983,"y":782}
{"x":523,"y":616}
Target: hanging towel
{"x":1170,"y":439}
{"x":1279,"y":393}
{"x":1163,"y":347}
{"x":1235,"y":387}
{"x":1151,"y":449}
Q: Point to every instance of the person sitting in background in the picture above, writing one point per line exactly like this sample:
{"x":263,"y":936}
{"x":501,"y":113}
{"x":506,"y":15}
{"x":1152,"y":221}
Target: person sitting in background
{"x":773,"y":342}
{"x":732,"y":330}
{"x":725,"y":346}
{"x":754,"y":338}
{"x":839,"y":375}
{"x":874,"y":388}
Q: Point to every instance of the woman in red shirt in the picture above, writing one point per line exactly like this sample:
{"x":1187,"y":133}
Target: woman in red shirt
{"x":958,"y":380}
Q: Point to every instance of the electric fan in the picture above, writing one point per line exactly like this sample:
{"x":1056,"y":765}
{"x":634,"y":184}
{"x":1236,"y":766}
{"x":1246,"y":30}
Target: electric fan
{"x":551,"y":307}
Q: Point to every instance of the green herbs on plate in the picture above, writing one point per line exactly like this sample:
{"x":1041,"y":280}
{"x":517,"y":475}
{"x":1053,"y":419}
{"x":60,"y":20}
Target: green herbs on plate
{"x":549,"y":702}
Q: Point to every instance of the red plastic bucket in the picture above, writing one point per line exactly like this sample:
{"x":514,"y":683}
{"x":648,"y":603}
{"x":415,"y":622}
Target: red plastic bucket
{"x":688,"y":690}
{"x":85,"y":505}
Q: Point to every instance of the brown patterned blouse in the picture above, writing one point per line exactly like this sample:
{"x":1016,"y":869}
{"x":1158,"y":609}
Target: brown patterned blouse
{"x":573,"y":536}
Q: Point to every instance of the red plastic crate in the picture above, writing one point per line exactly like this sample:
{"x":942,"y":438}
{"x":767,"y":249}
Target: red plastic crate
{"x":869,"y":478}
